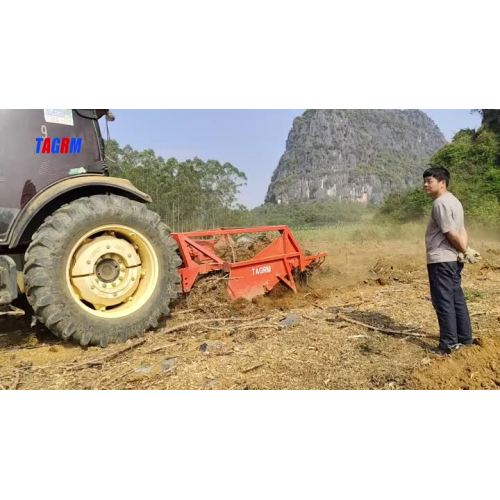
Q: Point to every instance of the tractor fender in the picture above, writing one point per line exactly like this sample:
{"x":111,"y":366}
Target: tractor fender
{"x":64,"y":191}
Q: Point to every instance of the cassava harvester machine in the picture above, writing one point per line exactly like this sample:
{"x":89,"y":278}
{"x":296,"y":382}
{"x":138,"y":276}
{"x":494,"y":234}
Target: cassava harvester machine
{"x":95,"y":264}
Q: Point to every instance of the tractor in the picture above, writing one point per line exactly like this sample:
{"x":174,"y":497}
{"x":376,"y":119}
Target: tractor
{"x":95,"y":264}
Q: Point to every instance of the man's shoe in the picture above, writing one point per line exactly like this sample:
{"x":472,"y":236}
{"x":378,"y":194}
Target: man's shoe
{"x":472,"y":343}
{"x":441,"y":351}
{"x":446,"y":351}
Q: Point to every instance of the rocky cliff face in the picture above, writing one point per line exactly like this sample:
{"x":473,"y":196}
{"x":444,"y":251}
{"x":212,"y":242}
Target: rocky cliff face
{"x":359,"y":155}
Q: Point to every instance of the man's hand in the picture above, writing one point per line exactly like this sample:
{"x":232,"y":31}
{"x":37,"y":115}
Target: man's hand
{"x":470,"y":256}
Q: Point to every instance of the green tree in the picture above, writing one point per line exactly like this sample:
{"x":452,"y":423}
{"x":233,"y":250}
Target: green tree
{"x":191,"y":194}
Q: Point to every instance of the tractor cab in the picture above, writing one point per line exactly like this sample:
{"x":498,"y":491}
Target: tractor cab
{"x":41,"y":146}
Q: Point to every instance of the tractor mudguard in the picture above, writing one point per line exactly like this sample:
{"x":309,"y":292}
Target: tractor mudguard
{"x":65,"y":191}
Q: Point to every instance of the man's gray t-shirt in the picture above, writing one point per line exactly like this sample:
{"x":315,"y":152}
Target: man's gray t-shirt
{"x":447,"y":215}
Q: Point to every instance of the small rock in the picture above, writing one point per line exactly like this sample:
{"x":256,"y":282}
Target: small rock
{"x":212,"y":346}
{"x":212,"y":384}
{"x":167,"y":365}
{"x":290,"y":320}
{"x":143,"y":370}
{"x":53,"y":348}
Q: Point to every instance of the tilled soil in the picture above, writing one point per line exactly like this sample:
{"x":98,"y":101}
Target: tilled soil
{"x":315,"y":339}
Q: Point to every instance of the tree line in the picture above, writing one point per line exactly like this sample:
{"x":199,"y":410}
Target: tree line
{"x":191,"y":194}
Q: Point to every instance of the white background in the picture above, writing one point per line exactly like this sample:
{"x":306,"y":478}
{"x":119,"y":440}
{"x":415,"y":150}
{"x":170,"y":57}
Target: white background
{"x":239,"y":445}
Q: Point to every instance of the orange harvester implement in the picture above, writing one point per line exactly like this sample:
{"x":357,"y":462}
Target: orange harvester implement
{"x":248,"y":278}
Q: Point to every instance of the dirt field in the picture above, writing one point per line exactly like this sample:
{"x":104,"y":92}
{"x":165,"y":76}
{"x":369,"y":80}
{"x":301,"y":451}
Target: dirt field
{"x":315,"y":339}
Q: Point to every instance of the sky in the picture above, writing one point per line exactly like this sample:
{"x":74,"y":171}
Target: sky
{"x":253,"y":140}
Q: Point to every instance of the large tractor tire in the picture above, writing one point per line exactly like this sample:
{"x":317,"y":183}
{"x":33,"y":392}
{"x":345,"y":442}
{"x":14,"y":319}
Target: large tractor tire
{"x":101,"y":269}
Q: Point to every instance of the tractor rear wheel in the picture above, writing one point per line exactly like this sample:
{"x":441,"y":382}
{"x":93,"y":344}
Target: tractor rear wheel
{"x":101,"y":269}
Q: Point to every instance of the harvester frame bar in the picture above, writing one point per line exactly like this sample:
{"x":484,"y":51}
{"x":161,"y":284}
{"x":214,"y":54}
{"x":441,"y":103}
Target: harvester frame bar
{"x":248,"y":278}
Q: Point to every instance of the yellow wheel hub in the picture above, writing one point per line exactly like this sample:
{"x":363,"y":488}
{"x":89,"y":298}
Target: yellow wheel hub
{"x":112,"y":271}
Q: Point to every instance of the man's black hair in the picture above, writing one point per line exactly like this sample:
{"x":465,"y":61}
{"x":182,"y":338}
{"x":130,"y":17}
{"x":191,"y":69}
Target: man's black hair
{"x":439,"y":173}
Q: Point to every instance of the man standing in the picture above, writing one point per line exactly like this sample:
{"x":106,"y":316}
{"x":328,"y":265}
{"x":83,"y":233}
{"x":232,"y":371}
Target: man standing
{"x":447,"y":249}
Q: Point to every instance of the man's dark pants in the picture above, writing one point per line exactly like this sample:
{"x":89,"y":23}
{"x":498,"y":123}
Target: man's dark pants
{"x":449,"y":302}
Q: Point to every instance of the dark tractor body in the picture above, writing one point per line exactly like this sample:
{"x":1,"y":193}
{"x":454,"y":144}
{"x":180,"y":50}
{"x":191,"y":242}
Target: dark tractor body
{"x":91,"y":258}
{"x":24,"y":172}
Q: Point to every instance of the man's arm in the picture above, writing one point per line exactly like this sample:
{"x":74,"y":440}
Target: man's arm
{"x":458,"y":239}
{"x":469,"y":254}
{"x":465,"y":237}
